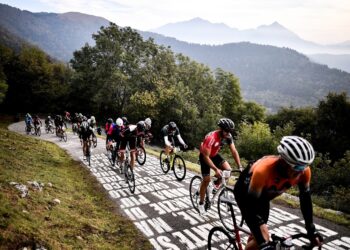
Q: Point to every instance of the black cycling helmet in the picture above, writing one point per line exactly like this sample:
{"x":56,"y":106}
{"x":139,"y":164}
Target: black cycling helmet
{"x":110,"y":120}
{"x":172,"y":126}
{"x":125,"y":120}
{"x":226,"y":124}
{"x":141,"y":126}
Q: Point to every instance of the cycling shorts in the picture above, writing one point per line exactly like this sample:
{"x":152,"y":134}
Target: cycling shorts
{"x":125,"y":141}
{"x":241,"y":192}
{"x":218,"y":160}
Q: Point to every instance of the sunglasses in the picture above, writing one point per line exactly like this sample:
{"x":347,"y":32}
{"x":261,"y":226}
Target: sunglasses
{"x":299,"y":167}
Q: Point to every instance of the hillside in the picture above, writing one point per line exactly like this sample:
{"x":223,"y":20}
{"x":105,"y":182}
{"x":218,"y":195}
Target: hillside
{"x":57,"y":34}
{"x":269,"y":75}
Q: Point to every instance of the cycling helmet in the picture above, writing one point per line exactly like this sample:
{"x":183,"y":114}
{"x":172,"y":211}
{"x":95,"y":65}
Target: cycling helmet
{"x":110,"y":120}
{"x":141,"y":126}
{"x":49,"y":117}
{"x":92,"y":118}
{"x":172,"y":125}
{"x":296,"y":151}
{"x":148,"y":122}
{"x":119,"y":122}
{"x":125,"y":120}
{"x":226,"y":124}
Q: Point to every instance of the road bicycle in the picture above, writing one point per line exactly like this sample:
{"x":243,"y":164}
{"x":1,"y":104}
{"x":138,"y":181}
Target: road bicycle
{"x":112,"y":151}
{"x":61,"y":133}
{"x":174,"y":162}
{"x":29,"y":129}
{"x":37,"y":130}
{"x":212,"y":194}
{"x":87,"y":150}
{"x":49,"y":128}
{"x":221,"y":238}
{"x":126,"y":169}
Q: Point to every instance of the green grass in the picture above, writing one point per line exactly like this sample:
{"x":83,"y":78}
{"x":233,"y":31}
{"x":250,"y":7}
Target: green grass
{"x":85,"y":219}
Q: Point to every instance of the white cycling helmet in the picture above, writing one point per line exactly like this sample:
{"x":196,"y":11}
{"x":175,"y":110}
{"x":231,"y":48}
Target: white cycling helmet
{"x":148,"y":122}
{"x":296,"y":151}
{"x":119,"y":122}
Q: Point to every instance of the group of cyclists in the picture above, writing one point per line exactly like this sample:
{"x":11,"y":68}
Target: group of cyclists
{"x":257,"y":185}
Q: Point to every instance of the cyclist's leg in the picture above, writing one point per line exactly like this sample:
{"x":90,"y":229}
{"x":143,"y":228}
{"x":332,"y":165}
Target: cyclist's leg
{"x":132,"y":145}
{"x":219,"y":161}
{"x":205,"y":170}
{"x":122,"y":148}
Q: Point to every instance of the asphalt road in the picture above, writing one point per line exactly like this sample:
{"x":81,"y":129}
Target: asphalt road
{"x":161,"y":208}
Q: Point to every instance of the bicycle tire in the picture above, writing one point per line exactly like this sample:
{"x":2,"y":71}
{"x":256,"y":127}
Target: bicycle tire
{"x":141,"y":155}
{"x":224,"y":209}
{"x":179,"y":168}
{"x":219,"y":238}
{"x":194,"y":191}
{"x":88,"y":156}
{"x":32,"y":131}
{"x":130,"y":177}
{"x":165,"y":166}
{"x":39,"y":131}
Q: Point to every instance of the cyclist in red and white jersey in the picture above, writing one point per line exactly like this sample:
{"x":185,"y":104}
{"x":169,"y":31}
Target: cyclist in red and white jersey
{"x":210,"y":158}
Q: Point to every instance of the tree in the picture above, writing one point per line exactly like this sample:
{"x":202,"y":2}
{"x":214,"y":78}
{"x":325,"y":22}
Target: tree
{"x":332,"y":125}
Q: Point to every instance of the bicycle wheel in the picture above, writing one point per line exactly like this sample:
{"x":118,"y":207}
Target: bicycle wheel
{"x":141,"y":155}
{"x":164,"y":165}
{"x":219,"y":238}
{"x":64,"y":136}
{"x":32,"y":130}
{"x":224,"y":208}
{"x":47,"y":129}
{"x":88,"y":156}
{"x":38,"y":131}
{"x":194,"y":190}
{"x":179,"y":168}
{"x":130,"y":178}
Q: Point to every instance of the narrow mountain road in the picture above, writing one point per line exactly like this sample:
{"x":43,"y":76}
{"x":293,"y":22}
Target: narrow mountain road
{"x":161,"y":206}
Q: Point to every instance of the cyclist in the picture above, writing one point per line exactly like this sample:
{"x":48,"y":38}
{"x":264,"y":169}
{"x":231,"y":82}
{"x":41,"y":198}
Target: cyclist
{"x":128,"y":136}
{"x":92,"y":124}
{"x":168,"y":133}
{"x":48,"y":121}
{"x":66,"y":116}
{"x":109,"y":130}
{"x":268,"y":178}
{"x":210,"y":158}
{"x":146,"y":135}
{"x":116,"y":134}
{"x":37,"y":121}
{"x":28,"y":120}
{"x":85,"y":131}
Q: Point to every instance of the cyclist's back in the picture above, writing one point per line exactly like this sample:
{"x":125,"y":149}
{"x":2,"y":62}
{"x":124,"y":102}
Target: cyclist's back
{"x":85,"y":131}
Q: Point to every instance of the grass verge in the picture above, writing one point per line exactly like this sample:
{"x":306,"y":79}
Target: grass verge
{"x":85,"y":218}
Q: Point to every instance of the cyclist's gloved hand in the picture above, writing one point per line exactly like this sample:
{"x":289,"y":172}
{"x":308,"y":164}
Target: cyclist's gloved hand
{"x":266,"y":246}
{"x":185,"y":146}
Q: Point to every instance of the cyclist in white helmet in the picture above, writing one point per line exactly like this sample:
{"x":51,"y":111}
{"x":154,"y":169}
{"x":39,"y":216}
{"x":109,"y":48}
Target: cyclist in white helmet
{"x":268,"y":178}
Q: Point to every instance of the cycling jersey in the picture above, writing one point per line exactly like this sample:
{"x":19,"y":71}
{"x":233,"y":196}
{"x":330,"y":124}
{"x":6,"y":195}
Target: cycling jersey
{"x":262,"y":182}
{"x":166,"y":132}
{"x":109,"y":128}
{"x":85,"y":131}
{"x":214,"y":142}
{"x":128,"y":135}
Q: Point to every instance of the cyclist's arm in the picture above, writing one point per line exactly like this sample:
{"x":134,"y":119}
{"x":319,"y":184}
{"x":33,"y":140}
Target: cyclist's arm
{"x":180,"y":139}
{"x":306,"y":202}
{"x":235,"y":155}
{"x":254,"y":220}
{"x":166,"y":141}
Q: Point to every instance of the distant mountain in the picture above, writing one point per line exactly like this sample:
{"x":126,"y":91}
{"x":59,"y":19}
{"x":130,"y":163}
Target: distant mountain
{"x":269,"y":75}
{"x":333,"y":61}
{"x":204,"y":32}
{"x":57,"y":34}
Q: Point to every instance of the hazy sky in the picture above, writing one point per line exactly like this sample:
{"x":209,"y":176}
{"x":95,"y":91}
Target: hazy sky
{"x":321,"y":21}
